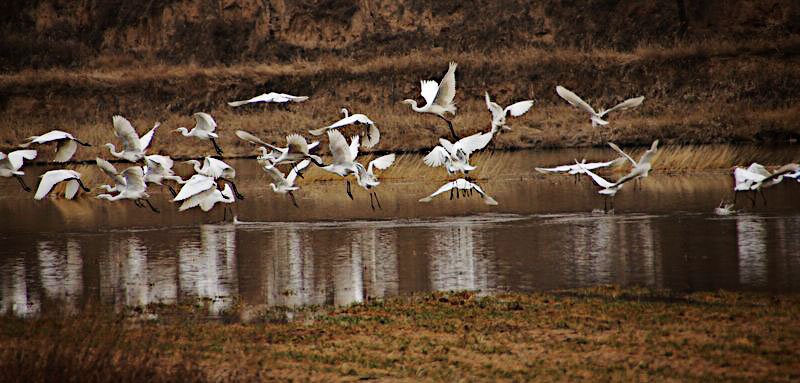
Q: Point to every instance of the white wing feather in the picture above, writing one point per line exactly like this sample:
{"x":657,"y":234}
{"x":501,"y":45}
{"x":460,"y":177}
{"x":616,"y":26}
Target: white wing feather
{"x":437,"y":157}
{"x":573,"y":99}
{"x":447,"y":87}
{"x":381,"y":162}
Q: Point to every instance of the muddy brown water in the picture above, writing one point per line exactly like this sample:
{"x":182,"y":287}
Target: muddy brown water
{"x":548,"y":232}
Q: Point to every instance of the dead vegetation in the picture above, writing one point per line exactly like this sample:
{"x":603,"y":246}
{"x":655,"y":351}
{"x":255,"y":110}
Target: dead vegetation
{"x":597,"y":334}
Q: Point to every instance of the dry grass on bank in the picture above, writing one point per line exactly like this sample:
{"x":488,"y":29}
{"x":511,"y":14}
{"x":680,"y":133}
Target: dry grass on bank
{"x":598,"y":334}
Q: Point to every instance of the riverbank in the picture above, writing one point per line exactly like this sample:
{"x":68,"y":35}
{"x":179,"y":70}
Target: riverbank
{"x":598,"y":334}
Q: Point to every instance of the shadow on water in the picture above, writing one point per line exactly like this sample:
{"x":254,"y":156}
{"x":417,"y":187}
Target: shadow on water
{"x":547,"y":233}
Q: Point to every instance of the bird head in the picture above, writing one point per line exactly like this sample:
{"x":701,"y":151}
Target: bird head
{"x":110,"y":146}
{"x":411,"y":102}
{"x":182,"y":130}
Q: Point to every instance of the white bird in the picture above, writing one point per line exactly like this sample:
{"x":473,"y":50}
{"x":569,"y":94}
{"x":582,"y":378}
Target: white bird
{"x":366,"y":177}
{"x":756,"y":178}
{"x":11,"y":163}
{"x":499,"y":113}
{"x":202,"y":191}
{"x":273,"y":97}
{"x":203,"y":129}
{"x":134,"y":189}
{"x":285,"y":185}
{"x":455,"y":157}
{"x":597,"y":116}
{"x":108,"y":169}
{"x":640,"y":169}
{"x":133,"y":146}
{"x":158,"y":169}
{"x":608,"y":189}
{"x":52,"y":177}
{"x":216,"y":169}
{"x":724,"y":208}
{"x":577,"y":168}
{"x":296,"y":149}
{"x":371,"y":134}
{"x":461,"y":186}
{"x":344,"y":156}
{"x":438,"y":97}
{"x":66,"y":144}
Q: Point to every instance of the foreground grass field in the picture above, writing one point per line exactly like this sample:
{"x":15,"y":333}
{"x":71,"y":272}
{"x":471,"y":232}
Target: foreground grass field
{"x":598,"y":334}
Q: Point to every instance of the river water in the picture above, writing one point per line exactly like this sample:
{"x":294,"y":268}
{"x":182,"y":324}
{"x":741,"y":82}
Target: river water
{"x":548,"y":232}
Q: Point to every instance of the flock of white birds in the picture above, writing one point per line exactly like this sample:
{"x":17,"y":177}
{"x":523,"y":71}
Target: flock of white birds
{"x":213,"y":181}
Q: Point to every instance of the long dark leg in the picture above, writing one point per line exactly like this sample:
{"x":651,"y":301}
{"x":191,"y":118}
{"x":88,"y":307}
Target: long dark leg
{"x":224,"y":213}
{"x":291,"y":196}
{"x":450,"y":124}
{"x":763,"y":196}
{"x":451,"y":194}
{"x":137,"y":203}
{"x":216,"y":147}
{"x":151,"y":205}
{"x":235,"y":191}
{"x":82,"y":185}
{"x":171,"y":190}
{"x":605,"y":204}
{"x":753,"y":198}
{"x":377,"y":200}
{"x":82,"y":143}
{"x":734,"y":197}
{"x":371,"y":204}
{"x":348,"y":189}
{"x":22,"y":182}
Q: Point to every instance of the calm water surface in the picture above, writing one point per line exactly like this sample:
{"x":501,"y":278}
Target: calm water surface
{"x":547,"y":233}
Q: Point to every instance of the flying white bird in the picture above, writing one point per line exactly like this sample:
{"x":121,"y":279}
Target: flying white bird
{"x":108,"y":169}
{"x":640,"y":169}
{"x":296,"y":149}
{"x":577,"y":168}
{"x":273,"y":97}
{"x":12,"y":162}
{"x":203,"y":129}
{"x":370,"y":136}
{"x":499,"y":113}
{"x":344,"y":156}
{"x":285,"y":185}
{"x":366,"y":177}
{"x":158,"y":169}
{"x":756,"y":178}
{"x":133,"y":146}
{"x":134,"y":189}
{"x":455,"y":157}
{"x":66,"y":144}
{"x":438,"y":97}
{"x":216,"y":169}
{"x":52,"y":177}
{"x":597,"y":116}
{"x":461,"y":186}
{"x":202,"y":191}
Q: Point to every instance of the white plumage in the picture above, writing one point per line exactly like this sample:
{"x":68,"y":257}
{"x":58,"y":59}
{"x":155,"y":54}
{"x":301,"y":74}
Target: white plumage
{"x":66,"y":144}
{"x":463,"y":186}
{"x":11,"y":163}
{"x":596,"y":116}
{"x":438,"y":97}
{"x":270,"y":97}
{"x":455,"y":157}
{"x":133,"y":146}
{"x":203,"y":129}
{"x":499,"y":113}
{"x":53,"y":177}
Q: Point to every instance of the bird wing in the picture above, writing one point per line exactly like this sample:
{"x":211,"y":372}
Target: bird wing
{"x":49,"y":136}
{"x":437,"y":157}
{"x":486,"y":198}
{"x":441,"y":190}
{"x":447,"y":87}
{"x":354,"y":142}
{"x":600,"y":181}
{"x":599,"y":165}
{"x":254,"y":140}
{"x":343,"y":122}
{"x":124,"y":130}
{"x":134,"y":179}
{"x":296,"y":169}
{"x":497,"y":111}
{"x":49,"y":179}
{"x":618,"y":150}
{"x":429,"y":88}
{"x":318,"y":132}
{"x":472,"y":143}
{"x":147,"y":138}
{"x":275,"y":173}
{"x":757,"y":168}
{"x":66,"y":149}
{"x":296,"y":144}
{"x":649,"y":154}
{"x":198,"y":183}
{"x":788,"y":168}
{"x":72,"y":189}
{"x":447,"y":145}
{"x":381,"y":162}
{"x":197,"y":198}
{"x":110,"y":171}
{"x":557,"y":169}
{"x":573,"y":99}
{"x":264,"y":97}
{"x":159,"y":161}
{"x":338,"y":147}
{"x":218,"y":168}
{"x":627,"y":104}
{"x":519,"y":108}
{"x":372,"y":137}
{"x":16,"y":157}
{"x":205,"y":121}
{"x":293,"y":98}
